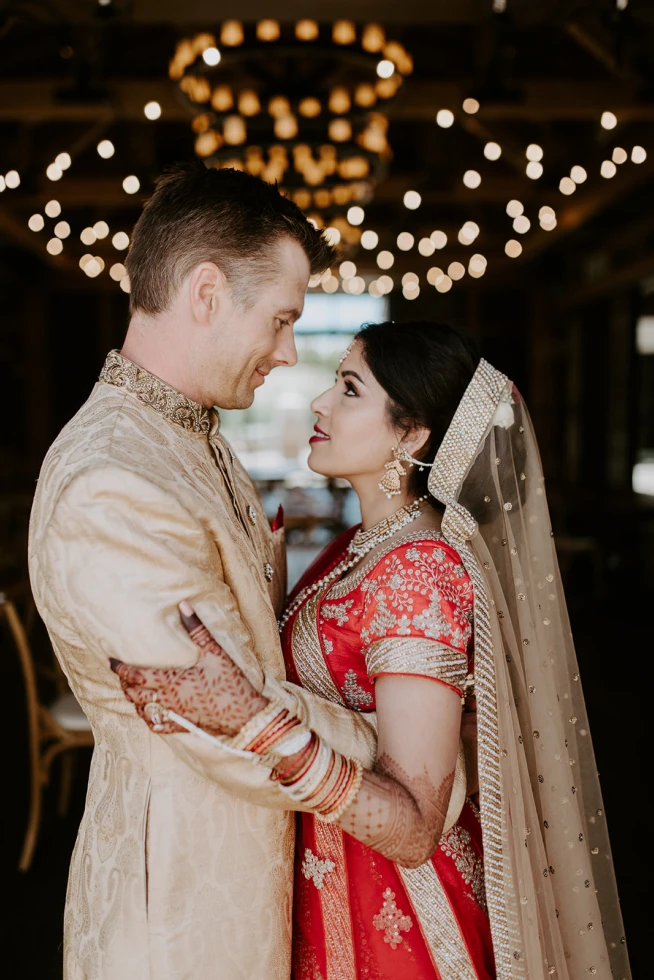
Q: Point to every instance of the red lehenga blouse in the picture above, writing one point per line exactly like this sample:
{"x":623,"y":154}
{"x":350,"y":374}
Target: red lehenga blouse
{"x":356,"y":913}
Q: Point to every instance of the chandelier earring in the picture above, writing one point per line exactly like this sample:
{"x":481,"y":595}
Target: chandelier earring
{"x":391,"y":481}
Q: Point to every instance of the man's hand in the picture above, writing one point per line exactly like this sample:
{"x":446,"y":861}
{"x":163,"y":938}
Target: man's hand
{"x":469,"y":739}
{"x":214,"y":693}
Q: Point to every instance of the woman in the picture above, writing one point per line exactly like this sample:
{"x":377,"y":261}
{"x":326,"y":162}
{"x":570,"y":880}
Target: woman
{"x":439,"y":448}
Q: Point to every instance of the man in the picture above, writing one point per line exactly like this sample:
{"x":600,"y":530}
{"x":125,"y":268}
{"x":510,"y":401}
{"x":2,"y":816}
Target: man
{"x":183,"y":863}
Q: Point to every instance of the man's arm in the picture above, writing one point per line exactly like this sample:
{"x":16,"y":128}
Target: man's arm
{"x":119,"y":555}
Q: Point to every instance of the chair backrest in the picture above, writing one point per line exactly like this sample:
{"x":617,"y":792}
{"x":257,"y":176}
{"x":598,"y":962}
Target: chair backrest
{"x":10,"y":614}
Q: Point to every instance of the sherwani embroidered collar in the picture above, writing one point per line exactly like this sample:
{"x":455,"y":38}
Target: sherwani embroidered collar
{"x":162,"y":397}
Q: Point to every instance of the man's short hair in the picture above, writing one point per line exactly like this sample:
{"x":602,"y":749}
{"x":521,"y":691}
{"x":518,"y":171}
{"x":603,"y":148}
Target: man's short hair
{"x":196,"y":215}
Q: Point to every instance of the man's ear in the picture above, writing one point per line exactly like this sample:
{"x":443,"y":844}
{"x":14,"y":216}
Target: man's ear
{"x":207,"y":287}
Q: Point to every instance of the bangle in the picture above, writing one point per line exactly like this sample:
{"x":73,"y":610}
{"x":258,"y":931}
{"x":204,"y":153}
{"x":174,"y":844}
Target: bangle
{"x":352,"y":791}
{"x":256,"y":725}
{"x":296,"y":766}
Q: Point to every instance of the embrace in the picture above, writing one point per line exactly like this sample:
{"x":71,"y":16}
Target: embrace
{"x":283,"y":786}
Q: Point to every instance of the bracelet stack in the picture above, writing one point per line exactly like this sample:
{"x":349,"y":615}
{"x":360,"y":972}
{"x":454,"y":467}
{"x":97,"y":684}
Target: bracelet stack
{"x":272,"y":733}
{"x":322,"y":780}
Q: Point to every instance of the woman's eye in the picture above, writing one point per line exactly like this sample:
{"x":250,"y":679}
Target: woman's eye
{"x":351,"y":390}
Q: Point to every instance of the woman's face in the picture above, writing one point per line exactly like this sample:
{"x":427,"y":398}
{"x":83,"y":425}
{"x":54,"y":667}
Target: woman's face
{"x":353,"y":435}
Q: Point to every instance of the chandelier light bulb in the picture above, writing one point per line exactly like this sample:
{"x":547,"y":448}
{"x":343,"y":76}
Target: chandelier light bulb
{"x":534,"y":152}
{"x":101,"y":229}
{"x":63,"y":161}
{"x":267,"y":30}
{"x":152,"y":110}
{"x":567,"y":185}
{"x":106,"y":149}
{"x":638,"y":155}
{"x":439,"y":238}
{"x":521,"y":224}
{"x":53,"y":172}
{"x":444,"y":118}
{"x":426,"y":247}
{"x":492,"y":151}
{"x":55,"y":246}
{"x":472,"y":179}
{"x":412,"y":200}
{"x":87,"y":236}
{"x":211,"y":57}
{"x":62,"y":229}
{"x":444,"y":284}
{"x":385,"y":68}
{"x":405,"y":241}
{"x":578,"y":174}
{"x":369,"y":240}
{"x":36,"y":223}
{"x":609,"y":120}
{"x":619,"y":155}
{"x":470,"y":106}
{"x":306,"y":30}
{"x":513,"y":248}
{"x":385,"y":260}
{"x":356,"y":215}
{"x":608,"y":169}
{"x":120,"y":241}
{"x":534,"y":170}
{"x":131,"y":184}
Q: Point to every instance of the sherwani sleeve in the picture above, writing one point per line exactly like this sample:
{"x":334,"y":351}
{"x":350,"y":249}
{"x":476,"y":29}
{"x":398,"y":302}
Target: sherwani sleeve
{"x":122,"y":553}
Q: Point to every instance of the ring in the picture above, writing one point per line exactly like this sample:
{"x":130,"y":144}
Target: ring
{"x":155,"y":713}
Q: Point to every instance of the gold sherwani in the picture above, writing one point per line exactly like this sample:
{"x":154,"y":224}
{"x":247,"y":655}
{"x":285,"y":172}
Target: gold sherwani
{"x":183,"y":862}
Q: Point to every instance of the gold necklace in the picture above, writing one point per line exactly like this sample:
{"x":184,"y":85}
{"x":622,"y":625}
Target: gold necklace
{"x":362,"y":543}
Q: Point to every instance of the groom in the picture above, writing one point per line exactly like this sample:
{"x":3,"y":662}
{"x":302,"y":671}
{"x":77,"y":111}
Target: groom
{"x":183,"y":862}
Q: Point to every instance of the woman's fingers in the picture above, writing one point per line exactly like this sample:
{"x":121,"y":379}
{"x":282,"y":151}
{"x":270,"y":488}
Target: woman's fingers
{"x":162,"y":727}
{"x":197,"y":631}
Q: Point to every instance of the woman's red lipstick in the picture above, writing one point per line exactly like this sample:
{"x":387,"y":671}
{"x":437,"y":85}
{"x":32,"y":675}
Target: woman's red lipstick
{"x":320,"y":435}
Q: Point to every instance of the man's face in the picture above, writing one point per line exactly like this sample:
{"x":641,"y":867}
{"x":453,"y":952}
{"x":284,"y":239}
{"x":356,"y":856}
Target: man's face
{"x":244,"y":345}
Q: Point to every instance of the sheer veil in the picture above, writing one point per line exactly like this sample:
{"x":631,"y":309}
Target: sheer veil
{"x":550,"y":884}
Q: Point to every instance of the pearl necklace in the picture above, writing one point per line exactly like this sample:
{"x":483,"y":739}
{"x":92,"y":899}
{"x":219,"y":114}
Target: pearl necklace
{"x":362,"y":543}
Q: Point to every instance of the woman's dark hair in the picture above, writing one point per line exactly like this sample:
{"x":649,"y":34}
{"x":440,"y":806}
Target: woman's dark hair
{"x":424,"y":368}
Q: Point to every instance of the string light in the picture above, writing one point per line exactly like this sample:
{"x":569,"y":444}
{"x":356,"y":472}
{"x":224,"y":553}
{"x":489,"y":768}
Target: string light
{"x":92,"y":267}
{"x":534,"y":152}
{"x":120,"y":241}
{"x":125,"y":284}
{"x":54,"y":246}
{"x":439,"y":238}
{"x":344,"y":32}
{"x":405,"y":241}
{"x":373,"y":289}
{"x":578,"y":174}
{"x":62,"y":229}
{"x":638,"y":155}
{"x":514,"y":208}
{"x":619,"y":155}
{"x":369,"y":239}
{"x":84,"y":259}
{"x":472,"y":179}
{"x":385,"y":260}
{"x":357,"y":285}
{"x":87,"y":236}
{"x":211,"y":56}
{"x":53,"y":172}
{"x":534,"y":170}
{"x":306,"y":30}
{"x":385,"y":68}
{"x":513,"y":248}
{"x":267,"y":30}
{"x":152,"y":110}
{"x":63,"y":161}
{"x":609,"y":120}
{"x":477,"y":265}
{"x":547,"y":218}
{"x":36,"y":223}
{"x":426,"y":247}
{"x":412,"y":200}
{"x":2,"y":184}
{"x":356,"y":215}
{"x":411,"y":291}
{"x":347,"y":270}
{"x":608,"y":169}
{"x":492,"y":151}
{"x":331,"y":235}
{"x":53,"y":209}
{"x":330,"y":285}
{"x":106,"y":149}
{"x":456,"y":270}
{"x":468,"y":233}
{"x":101,"y":229}
{"x":12,"y":179}
{"x":521,"y":224}
{"x":131,"y":184}
{"x":444,"y":118}
{"x":444,"y":284}
{"x":434,"y":274}
{"x":410,"y":277}
{"x":117,"y":271}
{"x":470,"y":106}
{"x":385,"y":284}
{"x":567,"y":185}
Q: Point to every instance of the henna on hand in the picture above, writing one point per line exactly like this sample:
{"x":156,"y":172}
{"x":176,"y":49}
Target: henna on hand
{"x":214,"y":693}
{"x":400,"y":816}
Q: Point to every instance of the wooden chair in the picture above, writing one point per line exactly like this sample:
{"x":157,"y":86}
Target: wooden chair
{"x":53,"y":729}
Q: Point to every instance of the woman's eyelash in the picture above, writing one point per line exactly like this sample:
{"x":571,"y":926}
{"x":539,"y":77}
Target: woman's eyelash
{"x":350,"y":389}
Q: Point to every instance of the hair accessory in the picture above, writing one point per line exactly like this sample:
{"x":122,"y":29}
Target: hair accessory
{"x":346,"y":352}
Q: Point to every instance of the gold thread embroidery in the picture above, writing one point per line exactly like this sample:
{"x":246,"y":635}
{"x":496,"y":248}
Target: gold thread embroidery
{"x":307,"y":653}
{"x":350,"y":582}
{"x":457,"y":844}
{"x":411,"y":655}
{"x":335,"y":904}
{"x":391,"y":921}
{"x":354,"y":694}
{"x":314,"y":868}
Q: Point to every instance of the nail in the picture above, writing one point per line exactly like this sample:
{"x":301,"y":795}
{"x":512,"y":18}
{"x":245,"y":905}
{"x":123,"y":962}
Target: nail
{"x":189,"y":618}
{"x":114,"y":664}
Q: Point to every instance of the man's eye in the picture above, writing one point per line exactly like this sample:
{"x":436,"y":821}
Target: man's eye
{"x":283,"y":323}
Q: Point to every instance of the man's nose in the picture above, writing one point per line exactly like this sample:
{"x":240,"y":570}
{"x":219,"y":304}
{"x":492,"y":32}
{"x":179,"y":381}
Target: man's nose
{"x":286,"y":353}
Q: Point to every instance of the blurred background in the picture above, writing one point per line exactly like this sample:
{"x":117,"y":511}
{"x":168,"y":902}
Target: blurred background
{"x":484,"y":162}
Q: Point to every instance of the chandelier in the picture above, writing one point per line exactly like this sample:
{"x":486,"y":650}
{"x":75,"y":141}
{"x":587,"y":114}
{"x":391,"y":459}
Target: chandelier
{"x":303,"y":105}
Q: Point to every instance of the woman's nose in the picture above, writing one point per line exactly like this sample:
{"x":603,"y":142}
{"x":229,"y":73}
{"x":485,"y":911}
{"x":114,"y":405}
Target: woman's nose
{"x":319,"y":405}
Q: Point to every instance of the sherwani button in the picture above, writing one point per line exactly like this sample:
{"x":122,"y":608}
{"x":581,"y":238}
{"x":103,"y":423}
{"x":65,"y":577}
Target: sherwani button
{"x":268,"y":571}
{"x":252,"y":516}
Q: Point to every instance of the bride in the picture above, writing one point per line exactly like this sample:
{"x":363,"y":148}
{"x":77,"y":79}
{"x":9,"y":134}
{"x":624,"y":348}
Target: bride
{"x":449,"y":587}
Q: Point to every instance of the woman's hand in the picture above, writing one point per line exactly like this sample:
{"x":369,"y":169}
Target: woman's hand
{"x":214,"y":693}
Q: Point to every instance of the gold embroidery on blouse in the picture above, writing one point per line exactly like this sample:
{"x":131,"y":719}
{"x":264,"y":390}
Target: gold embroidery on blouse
{"x":338,"y":612}
{"x":307,"y":653}
{"x":391,"y":921}
{"x":162,"y":397}
{"x":315,"y":869}
{"x":355,"y":578}
{"x":457,"y":844}
{"x":412,"y":655}
{"x":354,"y":694}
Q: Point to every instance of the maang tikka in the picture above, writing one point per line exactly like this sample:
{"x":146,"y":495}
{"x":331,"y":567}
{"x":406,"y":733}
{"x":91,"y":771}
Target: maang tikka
{"x":391,"y":481}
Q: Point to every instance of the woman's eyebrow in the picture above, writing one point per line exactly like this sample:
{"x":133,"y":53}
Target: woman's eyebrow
{"x":354,"y":375}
